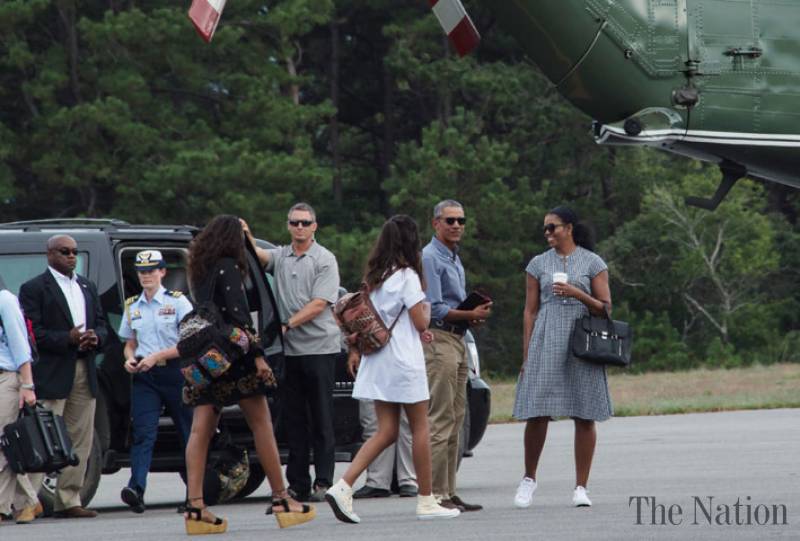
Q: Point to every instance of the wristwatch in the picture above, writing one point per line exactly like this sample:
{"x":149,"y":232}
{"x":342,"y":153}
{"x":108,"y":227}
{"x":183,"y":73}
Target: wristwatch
{"x":27,"y":386}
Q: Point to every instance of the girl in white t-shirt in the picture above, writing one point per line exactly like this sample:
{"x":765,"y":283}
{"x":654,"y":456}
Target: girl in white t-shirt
{"x":394,"y":376}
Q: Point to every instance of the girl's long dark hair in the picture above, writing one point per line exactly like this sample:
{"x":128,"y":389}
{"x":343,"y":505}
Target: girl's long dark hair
{"x":221,"y":238}
{"x":581,"y":233}
{"x":397,"y":247}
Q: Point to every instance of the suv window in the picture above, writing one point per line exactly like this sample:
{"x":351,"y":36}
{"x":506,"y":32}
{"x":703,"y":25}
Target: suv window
{"x":175,"y":279}
{"x":19,"y":268}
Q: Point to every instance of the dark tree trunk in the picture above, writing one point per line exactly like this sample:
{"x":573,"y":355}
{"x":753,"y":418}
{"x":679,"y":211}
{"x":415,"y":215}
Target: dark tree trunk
{"x":66,"y":10}
{"x":779,"y":200}
{"x":387,"y":147}
{"x":607,"y":181}
{"x":445,"y":96}
{"x":335,"y":60}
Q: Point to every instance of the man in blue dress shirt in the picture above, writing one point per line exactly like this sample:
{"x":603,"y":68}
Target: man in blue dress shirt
{"x":16,"y":389}
{"x":150,"y":328}
{"x":446,"y":355}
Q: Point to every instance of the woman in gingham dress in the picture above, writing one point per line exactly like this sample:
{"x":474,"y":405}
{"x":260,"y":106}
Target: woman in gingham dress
{"x":552,"y":383}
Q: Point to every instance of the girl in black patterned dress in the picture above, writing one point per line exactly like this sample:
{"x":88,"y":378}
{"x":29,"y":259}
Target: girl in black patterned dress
{"x":217,"y":266}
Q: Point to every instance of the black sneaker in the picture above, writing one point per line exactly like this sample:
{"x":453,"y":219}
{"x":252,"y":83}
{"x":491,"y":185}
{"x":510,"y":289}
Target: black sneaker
{"x":371,"y":492}
{"x":133,"y":499}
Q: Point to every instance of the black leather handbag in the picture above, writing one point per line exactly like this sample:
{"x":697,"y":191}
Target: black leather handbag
{"x":602,"y":340}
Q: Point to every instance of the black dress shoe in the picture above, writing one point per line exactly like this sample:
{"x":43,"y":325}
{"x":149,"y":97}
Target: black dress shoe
{"x":371,"y":492}
{"x":298,"y":496}
{"x":319,"y":493}
{"x":133,"y":498}
{"x":464,"y":506}
{"x":407,"y":491}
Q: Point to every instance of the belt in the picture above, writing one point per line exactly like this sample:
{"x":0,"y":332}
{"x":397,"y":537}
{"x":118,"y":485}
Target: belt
{"x":168,"y":362}
{"x":440,"y":325}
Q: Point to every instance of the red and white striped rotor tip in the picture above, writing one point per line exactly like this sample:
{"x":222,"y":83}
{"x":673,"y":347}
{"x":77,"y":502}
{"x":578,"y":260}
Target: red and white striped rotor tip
{"x":205,"y":15}
{"x":457,"y":25}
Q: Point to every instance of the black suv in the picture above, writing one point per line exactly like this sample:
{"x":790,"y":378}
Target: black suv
{"x":106,"y":252}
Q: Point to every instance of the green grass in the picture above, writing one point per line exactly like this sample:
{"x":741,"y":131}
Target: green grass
{"x":663,"y":393}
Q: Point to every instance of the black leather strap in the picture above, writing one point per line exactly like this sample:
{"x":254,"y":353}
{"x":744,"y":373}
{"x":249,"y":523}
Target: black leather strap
{"x":448,"y":327}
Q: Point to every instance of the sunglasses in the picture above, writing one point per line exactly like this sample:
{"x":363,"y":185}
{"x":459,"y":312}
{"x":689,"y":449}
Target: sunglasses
{"x":67,"y":251}
{"x":451,"y":221}
{"x":304,"y":223}
{"x":551,"y":228}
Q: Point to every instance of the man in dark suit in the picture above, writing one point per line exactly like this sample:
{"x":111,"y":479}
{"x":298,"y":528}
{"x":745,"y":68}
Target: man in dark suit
{"x":70,"y":328}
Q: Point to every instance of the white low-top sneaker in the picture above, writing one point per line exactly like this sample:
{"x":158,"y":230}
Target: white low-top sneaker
{"x":340,"y":498}
{"x":525,"y":491}
{"x":428,"y":508}
{"x":580,"y":498}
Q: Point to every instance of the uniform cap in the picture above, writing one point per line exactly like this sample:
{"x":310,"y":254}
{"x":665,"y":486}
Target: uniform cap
{"x":149,"y":260}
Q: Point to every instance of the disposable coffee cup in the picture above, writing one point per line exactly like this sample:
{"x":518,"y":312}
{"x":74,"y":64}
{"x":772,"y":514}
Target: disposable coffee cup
{"x":560,"y":277}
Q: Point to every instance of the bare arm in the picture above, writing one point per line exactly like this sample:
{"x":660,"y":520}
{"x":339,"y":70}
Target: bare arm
{"x":420,"y":315}
{"x":601,"y":293}
{"x":164,"y":355}
{"x":478,"y":314}
{"x":26,"y":396}
{"x":529,"y":314}
{"x":130,"y":348}
{"x":261,"y":253}
{"x":308,"y":312}
{"x":129,"y":353}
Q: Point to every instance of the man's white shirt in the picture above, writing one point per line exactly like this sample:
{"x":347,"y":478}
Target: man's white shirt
{"x":74,"y":295}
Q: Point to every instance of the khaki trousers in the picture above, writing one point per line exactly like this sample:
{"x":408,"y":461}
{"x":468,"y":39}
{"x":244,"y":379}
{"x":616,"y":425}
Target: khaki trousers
{"x":15,"y":489}
{"x":380,"y":470}
{"x":78,"y":411}
{"x":446,"y":362}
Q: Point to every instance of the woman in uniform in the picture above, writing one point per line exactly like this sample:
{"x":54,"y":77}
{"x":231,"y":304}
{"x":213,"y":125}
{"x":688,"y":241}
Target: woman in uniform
{"x":150,"y":330}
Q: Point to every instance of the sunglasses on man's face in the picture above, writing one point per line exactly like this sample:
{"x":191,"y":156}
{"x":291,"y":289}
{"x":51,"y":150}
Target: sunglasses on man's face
{"x":304,"y":223}
{"x":549,"y":229}
{"x":450,"y":221}
{"x":67,"y":251}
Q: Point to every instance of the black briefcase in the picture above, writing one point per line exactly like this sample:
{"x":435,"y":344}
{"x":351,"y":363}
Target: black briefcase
{"x":37,"y":442}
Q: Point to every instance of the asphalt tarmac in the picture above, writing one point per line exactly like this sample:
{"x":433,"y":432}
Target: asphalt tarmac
{"x":669,"y":477}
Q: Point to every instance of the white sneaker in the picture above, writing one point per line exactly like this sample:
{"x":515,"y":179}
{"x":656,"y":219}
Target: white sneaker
{"x":428,"y":508}
{"x":340,"y":498}
{"x":525,"y":491}
{"x":580,"y":499}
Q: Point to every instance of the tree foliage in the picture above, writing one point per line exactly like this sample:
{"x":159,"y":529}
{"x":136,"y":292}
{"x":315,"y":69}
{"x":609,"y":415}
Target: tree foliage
{"x":115,"y":108}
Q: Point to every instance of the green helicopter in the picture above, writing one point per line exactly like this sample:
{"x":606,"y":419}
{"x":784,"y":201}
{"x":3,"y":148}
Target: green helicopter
{"x":715,"y":80}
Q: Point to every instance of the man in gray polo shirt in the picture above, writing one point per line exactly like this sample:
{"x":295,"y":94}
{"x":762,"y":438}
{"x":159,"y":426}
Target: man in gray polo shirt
{"x":306,"y":284}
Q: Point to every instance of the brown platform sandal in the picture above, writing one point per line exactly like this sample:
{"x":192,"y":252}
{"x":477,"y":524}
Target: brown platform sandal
{"x":195,"y":525}
{"x":287,"y":518}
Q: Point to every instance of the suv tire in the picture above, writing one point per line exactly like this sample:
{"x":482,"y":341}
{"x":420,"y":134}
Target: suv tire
{"x":463,"y":437}
{"x":253,"y":481}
